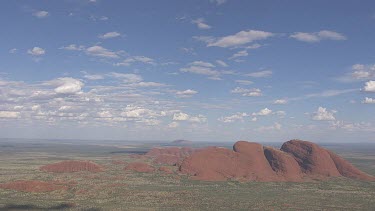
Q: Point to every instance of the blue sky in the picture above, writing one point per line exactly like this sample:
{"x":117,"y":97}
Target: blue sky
{"x":207,"y":70}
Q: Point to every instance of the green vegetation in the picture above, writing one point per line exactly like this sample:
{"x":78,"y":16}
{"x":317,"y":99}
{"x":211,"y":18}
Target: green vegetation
{"x":115,"y":189}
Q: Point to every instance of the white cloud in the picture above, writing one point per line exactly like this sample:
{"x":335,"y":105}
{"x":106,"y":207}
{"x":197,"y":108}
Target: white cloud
{"x":244,"y":82}
{"x":247,"y":92}
{"x":109,"y":35}
{"x":9,"y":114}
{"x":66,"y":85}
{"x":241,"y":53}
{"x":260,"y":74}
{"x":233,"y":118}
{"x":369,"y":86}
{"x":186,"y":93}
{"x":369,"y":100}
{"x":263,"y":112}
{"x":202,"y":68}
{"x":149,"y":84}
{"x":134,"y":59}
{"x":360,"y":72}
{"x":127,"y":77}
{"x":41,"y":14}
{"x":180,"y":116}
{"x":200,"y":22}
{"x":173,"y":125}
{"x":238,"y":39}
{"x":218,"y":2}
{"x":317,"y":36}
{"x":353,"y":127}
{"x":222,"y":63}
{"x":13,"y":50}
{"x":276,"y":126}
{"x":73,"y":47}
{"x":322,"y":114}
{"x":99,"y":51}
{"x":93,"y":77}
{"x":36,"y":51}
{"x":201,"y":63}
{"x":280,"y":101}
{"x":185,"y":117}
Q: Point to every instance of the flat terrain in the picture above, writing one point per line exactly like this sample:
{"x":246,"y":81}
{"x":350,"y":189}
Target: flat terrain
{"x":116,"y":189}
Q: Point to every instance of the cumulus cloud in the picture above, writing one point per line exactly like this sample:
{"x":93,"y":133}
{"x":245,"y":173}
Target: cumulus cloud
{"x":186,"y":117}
{"x":73,"y":47}
{"x":127,"y":77}
{"x":247,"y":92}
{"x":173,"y":125}
{"x":200,"y":23}
{"x":263,"y":112}
{"x":360,"y":72}
{"x":100,"y":51}
{"x":66,"y":85}
{"x":186,"y":93}
{"x":280,"y":101}
{"x":317,"y":36}
{"x":180,"y":116}
{"x":369,"y":100}
{"x":322,"y":114}
{"x":134,"y":59}
{"x":41,"y":14}
{"x":109,"y":35}
{"x":260,"y":74}
{"x":9,"y":114}
{"x":276,"y":126}
{"x":36,"y":51}
{"x":369,"y":86}
{"x":202,"y":68}
{"x":233,"y":118}
{"x":238,"y":39}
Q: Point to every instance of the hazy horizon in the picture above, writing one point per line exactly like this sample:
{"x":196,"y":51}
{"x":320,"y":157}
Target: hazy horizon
{"x":212,"y":70}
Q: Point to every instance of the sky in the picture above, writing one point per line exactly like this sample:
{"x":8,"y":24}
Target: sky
{"x":202,"y":70}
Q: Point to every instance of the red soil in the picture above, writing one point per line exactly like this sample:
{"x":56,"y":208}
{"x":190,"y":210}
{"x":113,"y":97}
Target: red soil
{"x":296,"y":161}
{"x":169,"y":155}
{"x":166,"y":170}
{"x":118,"y":162}
{"x":139,"y":167}
{"x":34,"y":186}
{"x":72,"y":166}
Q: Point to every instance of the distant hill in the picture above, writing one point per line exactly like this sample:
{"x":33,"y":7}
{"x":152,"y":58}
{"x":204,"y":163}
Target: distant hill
{"x":182,"y":142}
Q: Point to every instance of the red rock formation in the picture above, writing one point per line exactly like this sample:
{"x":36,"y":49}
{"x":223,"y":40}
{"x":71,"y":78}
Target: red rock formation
{"x":313,"y":159}
{"x":283,"y":164}
{"x":72,"y":166}
{"x":169,"y":155}
{"x":166,"y":159}
{"x":346,"y":169}
{"x":217,"y":164}
{"x":296,"y":161}
{"x":139,"y":167}
{"x":33,"y":186}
